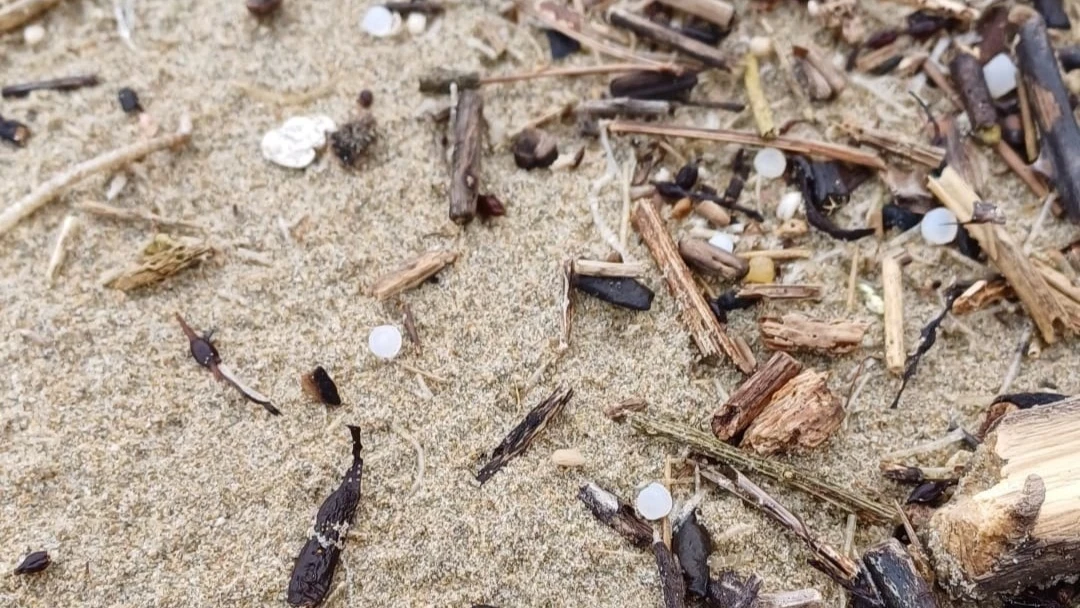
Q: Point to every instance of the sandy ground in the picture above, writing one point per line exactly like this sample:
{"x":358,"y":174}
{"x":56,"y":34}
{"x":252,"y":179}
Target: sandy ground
{"x":153,"y":485}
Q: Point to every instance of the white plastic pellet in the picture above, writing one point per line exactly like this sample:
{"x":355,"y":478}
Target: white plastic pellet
{"x":770,"y":163}
{"x":938,"y":226}
{"x":385,"y":341}
{"x":416,"y":23}
{"x":789,"y":205}
{"x":654,"y":502}
{"x":761,"y":46}
{"x":662,"y":175}
{"x":33,"y":35}
{"x":1000,"y":74}
{"x":378,"y":21}
{"x":722,"y":241}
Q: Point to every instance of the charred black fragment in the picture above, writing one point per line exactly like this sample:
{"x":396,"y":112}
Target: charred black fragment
{"x":534,"y":148}
{"x":654,"y":85}
{"x":731,"y":591}
{"x":616,"y":514}
{"x":489,"y":205}
{"x":321,"y":386}
{"x":1053,"y":13}
{"x":901,"y":218}
{"x":671,"y":580}
{"x":1069,"y":56}
{"x":693,"y":545}
{"x":967,"y":245}
{"x":728,"y":301}
{"x":69,"y":83}
{"x":522,"y":436}
{"x":886,"y":66}
{"x":562,"y":46}
{"x":967,"y":73}
{"x":928,"y":493}
{"x":313,"y":571}
{"x":927,"y":337}
{"x":803,"y":173}
{"x":924,"y":24}
{"x":903,"y":473}
{"x":687,"y":176}
{"x":351,"y":141}
{"x":34,"y":563}
{"x":625,"y":292}
{"x":1029,"y":400}
{"x":129,"y":101}
{"x":14,"y":131}
{"x":897,"y":580}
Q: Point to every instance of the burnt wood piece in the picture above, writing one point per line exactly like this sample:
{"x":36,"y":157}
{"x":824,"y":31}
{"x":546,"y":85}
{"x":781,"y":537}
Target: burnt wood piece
{"x":642,"y":26}
{"x":624,"y":292}
{"x":616,"y":514}
{"x":522,"y":436}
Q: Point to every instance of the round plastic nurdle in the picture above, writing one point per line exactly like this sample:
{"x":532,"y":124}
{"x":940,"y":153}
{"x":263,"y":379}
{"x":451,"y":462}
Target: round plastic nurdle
{"x":722,"y":241}
{"x":378,"y":21}
{"x":654,"y":502}
{"x":385,"y":341}
{"x":416,"y":23}
{"x":1000,"y":74}
{"x":939,"y":226}
{"x":770,"y":163}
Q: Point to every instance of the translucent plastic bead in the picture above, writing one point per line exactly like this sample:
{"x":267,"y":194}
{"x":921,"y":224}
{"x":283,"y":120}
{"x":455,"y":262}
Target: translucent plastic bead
{"x":385,"y":341}
{"x":378,"y":21}
{"x":770,"y":163}
{"x":722,"y":241}
{"x":939,"y":226}
{"x":1000,"y":75}
{"x":654,"y":502}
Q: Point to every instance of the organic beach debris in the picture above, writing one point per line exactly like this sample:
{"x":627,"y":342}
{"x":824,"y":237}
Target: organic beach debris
{"x":927,"y":338}
{"x":205,"y":354}
{"x":129,"y":101}
{"x":313,"y":571}
{"x":294,"y":144}
{"x":534,"y":149}
{"x":34,"y":563}
{"x":616,"y":514}
{"x":624,"y":292}
{"x":352,"y":140}
{"x":522,"y":436}
{"x":67,"y":83}
{"x":321,"y":386}
{"x":161,"y":258}
{"x":693,"y":545}
{"x":14,"y":131}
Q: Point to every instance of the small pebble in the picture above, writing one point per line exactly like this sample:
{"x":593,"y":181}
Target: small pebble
{"x":33,"y":35}
{"x":416,"y":23}
{"x":385,"y":341}
{"x":654,"y":502}
{"x":570,"y":457}
{"x":762,"y":270}
{"x":1000,"y":75}
{"x":378,"y":21}
{"x":761,"y":46}
{"x":789,"y":205}
{"x":939,"y":227}
{"x":722,"y":241}
{"x":770,"y":163}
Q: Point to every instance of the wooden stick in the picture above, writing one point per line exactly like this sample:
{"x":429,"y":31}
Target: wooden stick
{"x":616,"y":514}
{"x":655,"y":32}
{"x":711,"y":260}
{"x":782,"y":255}
{"x":624,"y":106}
{"x":587,"y":70}
{"x":109,"y":161}
{"x":593,"y":268}
{"x":465,"y":161}
{"x":936,"y":73}
{"x":566,"y":304}
{"x":22,"y":11}
{"x":713,"y":11}
{"x":706,"y":331}
{"x":892,"y":288}
{"x":59,"y":252}
{"x":967,"y":73}
{"x":750,"y":398}
{"x":1007,"y":255}
{"x":853,"y":277}
{"x":1027,"y":122}
{"x":781,"y":292}
{"x":141,"y":215}
{"x":1022,"y":169}
{"x":412,"y":273}
{"x":931,"y":156}
{"x":828,"y":150}
{"x":587,"y":39}
{"x":759,"y":105}
{"x":794,"y":331}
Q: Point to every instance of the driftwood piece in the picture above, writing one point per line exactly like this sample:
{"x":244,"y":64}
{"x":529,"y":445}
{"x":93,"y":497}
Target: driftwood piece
{"x":671,"y":578}
{"x":803,"y":413}
{"x":616,"y":514}
{"x":897,"y":580}
{"x":770,"y":291}
{"x":21,"y":12}
{"x":412,"y":273}
{"x":465,"y":161}
{"x":750,"y":398}
{"x":729,"y":590}
{"x":521,"y":437}
{"x":892,"y":291}
{"x":1014,"y":521}
{"x":1050,"y":104}
{"x":1042,"y":303}
{"x":655,"y":32}
{"x":706,"y":331}
{"x":798,"y":332}
{"x":967,"y":73}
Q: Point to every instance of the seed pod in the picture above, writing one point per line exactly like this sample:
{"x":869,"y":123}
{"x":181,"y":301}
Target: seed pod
{"x":14,"y":132}
{"x":534,"y":148}
{"x":654,"y":85}
{"x":712,"y":260}
{"x":262,"y":8}
{"x":129,"y":101}
{"x":320,"y":386}
{"x":33,"y":563}
{"x":351,"y":142}
{"x":968,"y":75}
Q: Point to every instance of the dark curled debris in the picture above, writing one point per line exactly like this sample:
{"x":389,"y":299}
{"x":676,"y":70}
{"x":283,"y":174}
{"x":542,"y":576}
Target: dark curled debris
{"x":562,"y":46}
{"x":69,"y":83}
{"x":519,"y":439}
{"x":896,"y":578}
{"x":321,"y":386}
{"x":534,"y":148}
{"x":903,"y":473}
{"x":14,"y":131}
{"x":313,"y":571}
{"x":693,"y":545}
{"x":1053,"y":13}
{"x":967,"y":73}
{"x":924,"y":24}
{"x":927,"y":337}
{"x":34,"y":563}
{"x":352,"y":140}
{"x":489,"y":205}
{"x":1069,"y":56}
{"x":616,"y":514}
{"x":129,"y":101}
{"x":901,"y":218}
{"x":928,"y":493}
{"x":206,"y":355}
{"x":687,"y":176}
{"x":731,"y":591}
{"x":1050,"y":105}
{"x":671,"y":580}
{"x":625,"y":292}
{"x":815,"y":183}
{"x":1029,"y":400}
{"x":667,"y":86}
{"x":262,"y":8}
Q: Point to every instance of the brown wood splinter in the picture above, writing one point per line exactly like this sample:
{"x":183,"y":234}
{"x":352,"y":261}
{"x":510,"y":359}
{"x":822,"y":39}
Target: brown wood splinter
{"x":746,"y":403}
{"x":803,"y":413}
{"x":798,"y":332}
{"x":206,"y":355}
{"x":522,"y":436}
{"x":412,"y":273}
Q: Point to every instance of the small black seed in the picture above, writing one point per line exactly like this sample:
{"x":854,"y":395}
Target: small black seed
{"x":129,"y":101}
{"x":620,"y":291}
{"x":687,"y":176}
{"x":33,"y":563}
{"x":366,"y":98}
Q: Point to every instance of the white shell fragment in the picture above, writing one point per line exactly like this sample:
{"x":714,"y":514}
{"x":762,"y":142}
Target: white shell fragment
{"x":789,"y":205}
{"x":939,"y":227}
{"x":654,"y":502}
{"x":378,"y":21}
{"x":1000,"y":74}
{"x":416,"y":23}
{"x":770,"y":163}
{"x":722,"y":241}
{"x":33,"y":35}
{"x":293,"y":144}
{"x":385,"y":341}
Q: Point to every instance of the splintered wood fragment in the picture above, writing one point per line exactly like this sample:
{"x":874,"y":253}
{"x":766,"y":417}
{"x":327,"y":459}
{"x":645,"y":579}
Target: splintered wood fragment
{"x":931,"y":156}
{"x":710,"y":337}
{"x":20,"y":12}
{"x":770,"y":291}
{"x":1008,"y":256}
{"x":655,"y":32}
{"x":160,"y":259}
{"x":892,"y":290}
{"x":896,"y":578}
{"x":803,"y":413}
{"x":412,"y":273}
{"x":759,"y":104}
{"x":671,"y":578}
{"x":750,"y":398}
{"x":713,"y":11}
{"x":551,"y":72}
{"x":797,"y":598}
{"x":1014,"y":521}
{"x":109,"y":211}
{"x":729,"y":590}
{"x":565,"y":21}
{"x":522,"y":436}
{"x":882,"y":60}
{"x":56,"y":260}
{"x":817,"y":59}
{"x":566,"y":304}
{"x":809,"y":147}
{"x":594,"y":268}
{"x":1050,"y":104}
{"x":465,"y":160}
{"x":795,"y":477}
{"x":797,"y":332}
{"x":616,"y":514}
{"x":777,"y":254}
{"x":1032,"y":180}
{"x":618,"y":410}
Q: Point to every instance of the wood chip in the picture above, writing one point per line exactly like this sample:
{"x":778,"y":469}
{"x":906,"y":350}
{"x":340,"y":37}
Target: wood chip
{"x":798,"y":332}
{"x":412,"y":273}
{"x":750,"y":399}
{"x":522,"y":436}
{"x":803,"y":413}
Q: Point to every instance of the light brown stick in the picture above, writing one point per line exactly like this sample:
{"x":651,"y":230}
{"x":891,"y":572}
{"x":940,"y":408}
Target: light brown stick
{"x":777,"y":254}
{"x":771,"y":291}
{"x":566,"y":304}
{"x":931,"y":156}
{"x":654,"y":31}
{"x":817,"y":59}
{"x":593,"y":268}
{"x":587,"y":70}
{"x":706,"y":331}
{"x":892,"y":288}
{"x":750,"y":398}
{"x":713,"y":11}
{"x":23,"y":11}
{"x":465,"y":162}
{"x":142,"y":215}
{"x":412,"y":273}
